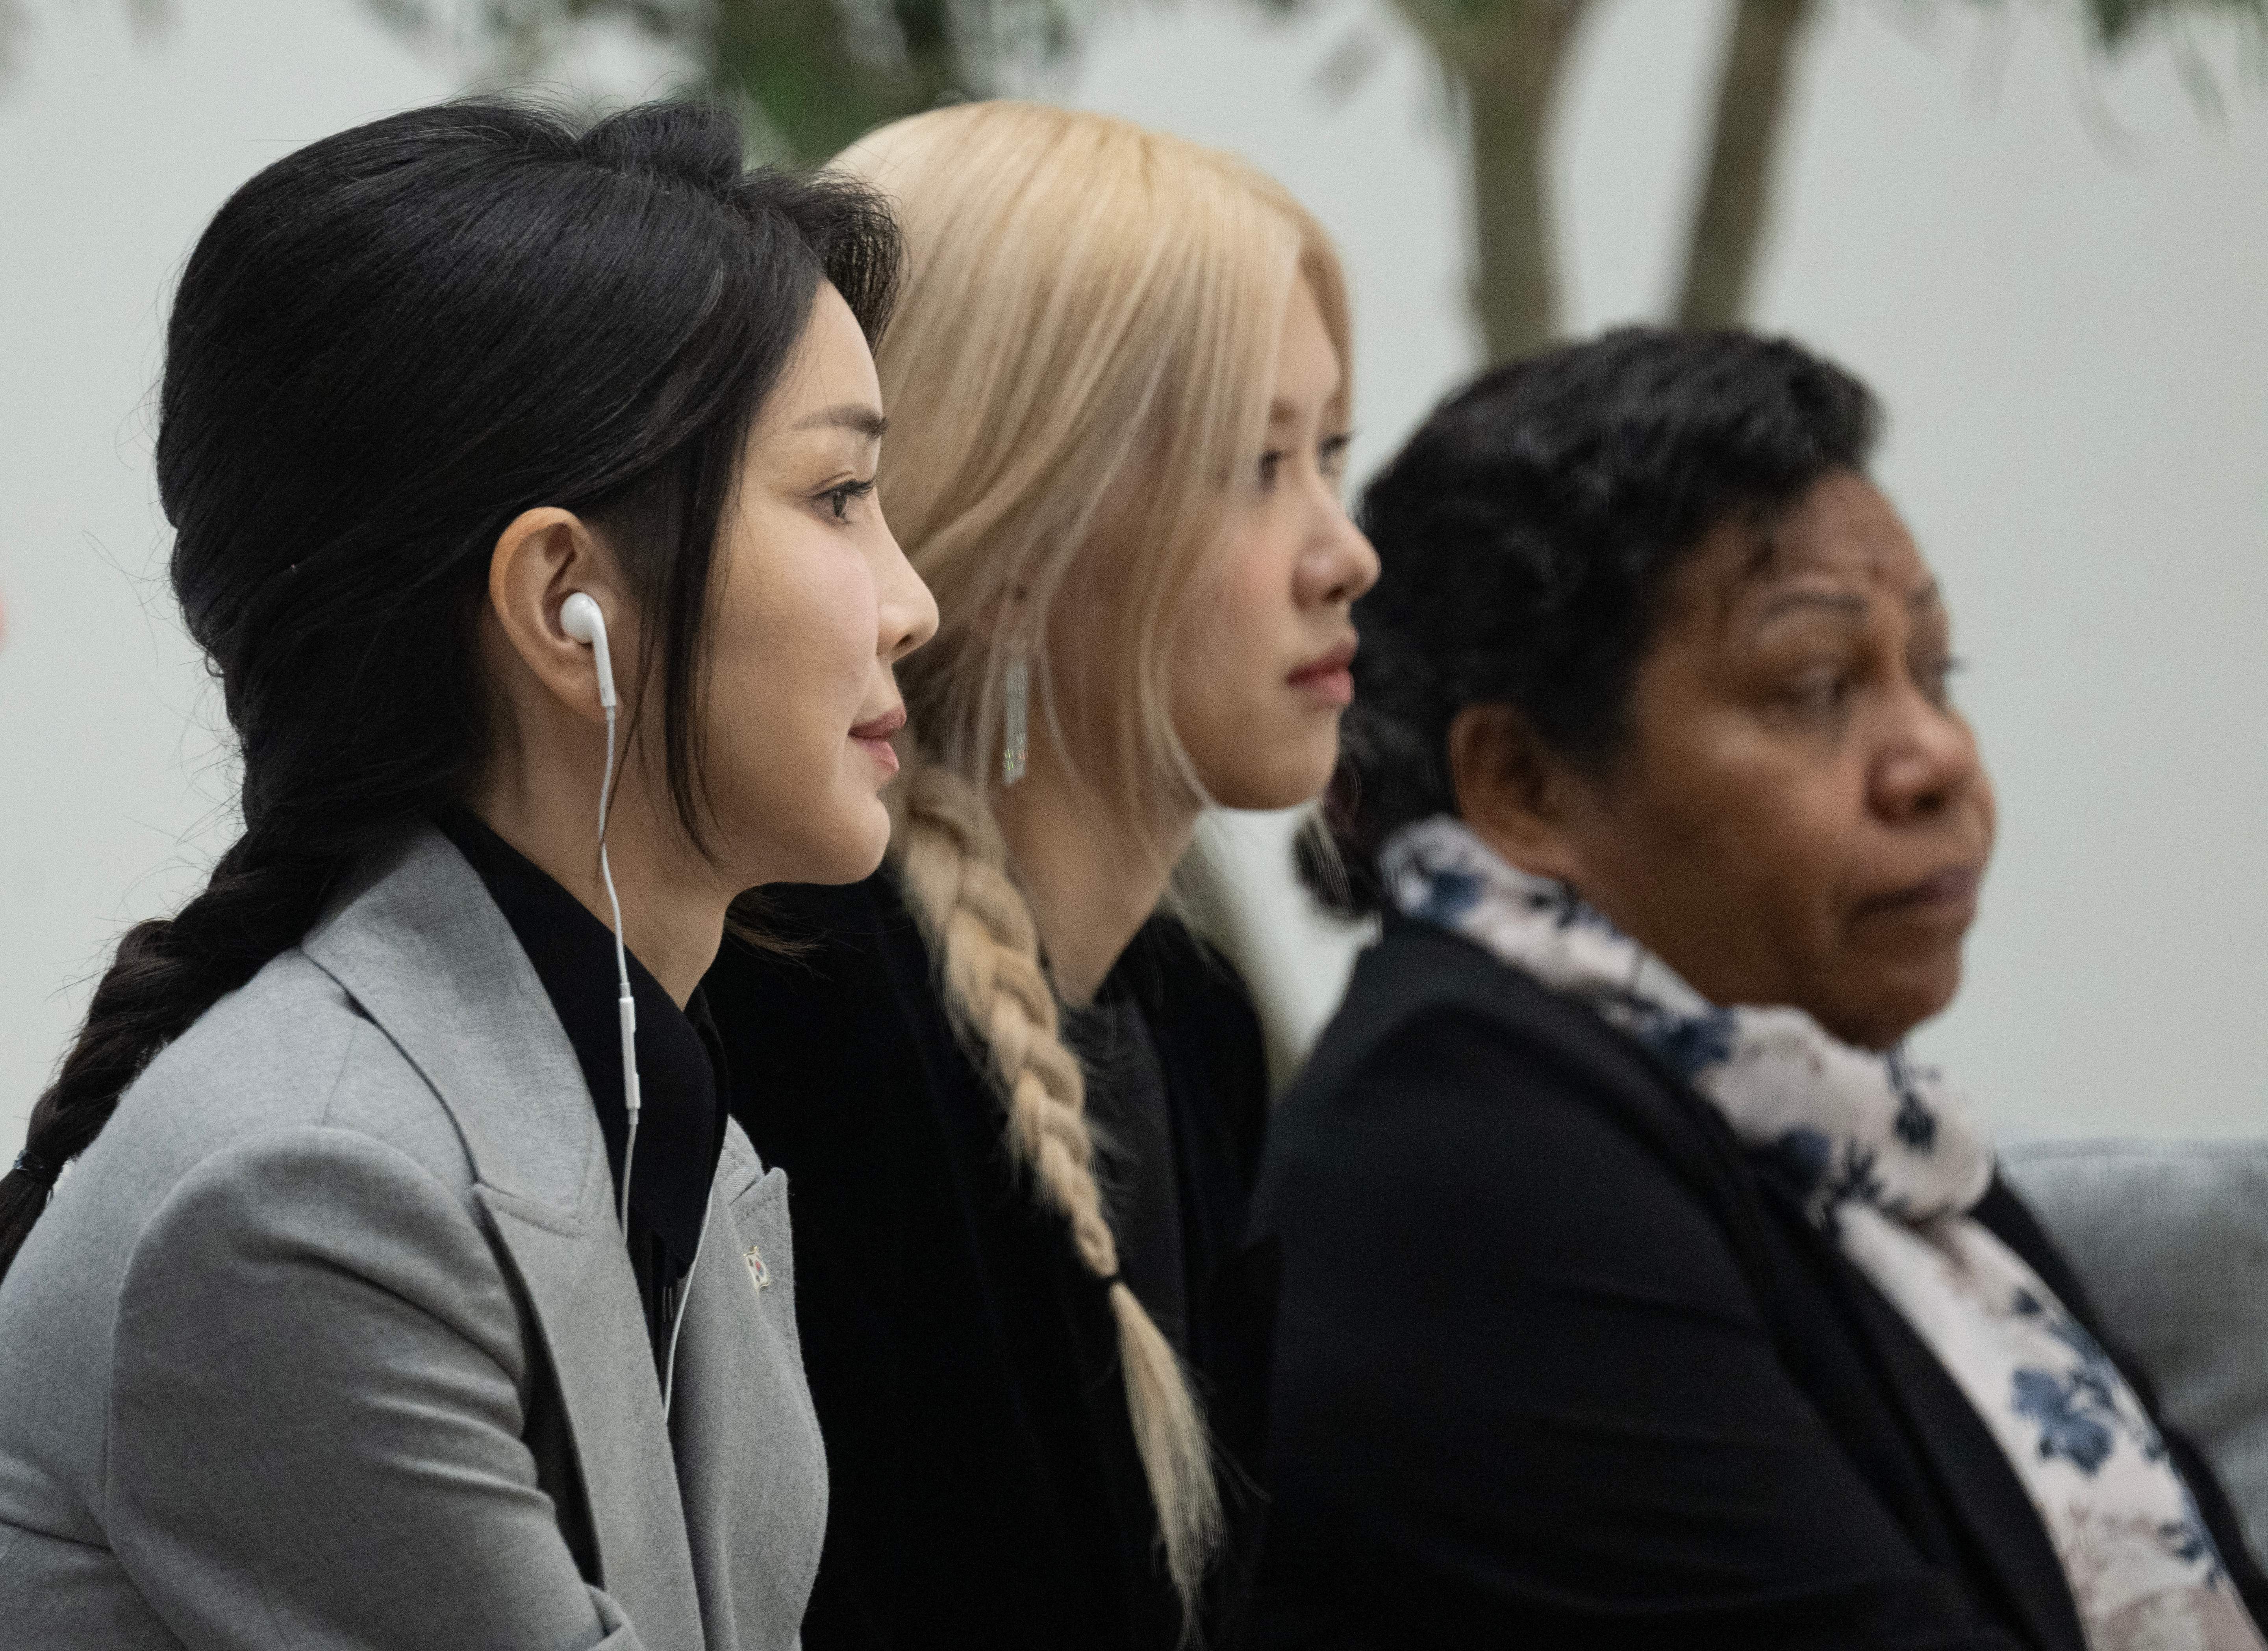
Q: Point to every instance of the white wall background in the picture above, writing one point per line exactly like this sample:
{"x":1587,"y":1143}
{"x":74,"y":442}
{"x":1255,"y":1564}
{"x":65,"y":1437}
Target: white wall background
{"x":2057,"y":275}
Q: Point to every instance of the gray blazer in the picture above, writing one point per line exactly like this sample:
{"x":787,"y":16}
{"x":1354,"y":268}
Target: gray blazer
{"x":331,"y":1340}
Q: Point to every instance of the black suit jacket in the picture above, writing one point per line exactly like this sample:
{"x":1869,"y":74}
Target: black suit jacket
{"x":985,"y":1488}
{"x":1557,"y":1364}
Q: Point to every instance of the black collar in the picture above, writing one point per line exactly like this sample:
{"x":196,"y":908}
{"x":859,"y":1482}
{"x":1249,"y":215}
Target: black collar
{"x":681,"y":1061}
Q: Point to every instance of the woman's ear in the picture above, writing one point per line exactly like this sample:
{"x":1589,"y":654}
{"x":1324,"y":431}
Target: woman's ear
{"x":544,"y":557}
{"x":1514,"y":790}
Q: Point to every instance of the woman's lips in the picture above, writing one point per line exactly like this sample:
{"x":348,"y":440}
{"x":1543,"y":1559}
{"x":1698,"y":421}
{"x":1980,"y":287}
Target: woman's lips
{"x":875,"y":736}
{"x":1327,"y":680}
{"x":1950,"y":894}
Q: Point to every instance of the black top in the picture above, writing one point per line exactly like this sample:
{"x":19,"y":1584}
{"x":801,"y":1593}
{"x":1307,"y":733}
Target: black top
{"x":984,"y":1488}
{"x":1559,"y":1364}
{"x":1131,"y":1119}
{"x":680,"y":1072}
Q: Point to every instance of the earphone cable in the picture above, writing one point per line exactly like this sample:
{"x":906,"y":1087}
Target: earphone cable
{"x":677,"y":1327}
{"x":626,"y":1007}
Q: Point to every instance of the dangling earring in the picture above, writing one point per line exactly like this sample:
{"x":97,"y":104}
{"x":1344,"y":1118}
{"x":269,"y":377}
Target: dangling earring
{"x":1016,"y":694}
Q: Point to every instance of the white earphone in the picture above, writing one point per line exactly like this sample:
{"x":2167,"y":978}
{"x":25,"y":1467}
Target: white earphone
{"x":580,"y":618}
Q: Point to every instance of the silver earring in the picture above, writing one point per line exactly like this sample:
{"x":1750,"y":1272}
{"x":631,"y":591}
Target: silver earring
{"x":1016,"y":745}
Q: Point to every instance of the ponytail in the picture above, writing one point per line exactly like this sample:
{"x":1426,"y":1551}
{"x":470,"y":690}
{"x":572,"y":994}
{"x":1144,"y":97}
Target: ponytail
{"x":954,"y":868}
{"x":167,"y":973}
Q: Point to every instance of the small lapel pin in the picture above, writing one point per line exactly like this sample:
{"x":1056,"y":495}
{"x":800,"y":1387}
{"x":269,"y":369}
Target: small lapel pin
{"x":757,"y":1270}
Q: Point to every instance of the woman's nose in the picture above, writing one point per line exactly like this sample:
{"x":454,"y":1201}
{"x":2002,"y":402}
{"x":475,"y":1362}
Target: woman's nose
{"x":1932,"y":763}
{"x":1339,"y":566}
{"x":908,"y":608}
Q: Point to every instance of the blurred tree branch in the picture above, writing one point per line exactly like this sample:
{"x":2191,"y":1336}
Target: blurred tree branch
{"x":1732,"y":211}
{"x":2113,"y":23}
{"x":812,"y":75}
{"x":1764,"y":44}
{"x":146,"y":16}
{"x":1509,"y":60}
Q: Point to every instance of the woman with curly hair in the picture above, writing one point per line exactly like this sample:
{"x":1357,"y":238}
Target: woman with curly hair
{"x":1638,"y":1288}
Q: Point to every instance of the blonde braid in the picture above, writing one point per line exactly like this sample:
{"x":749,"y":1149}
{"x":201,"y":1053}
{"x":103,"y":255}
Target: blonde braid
{"x":953,"y":866}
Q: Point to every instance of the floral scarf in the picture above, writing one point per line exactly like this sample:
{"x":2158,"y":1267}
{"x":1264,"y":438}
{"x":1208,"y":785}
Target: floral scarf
{"x":1890,"y":1160}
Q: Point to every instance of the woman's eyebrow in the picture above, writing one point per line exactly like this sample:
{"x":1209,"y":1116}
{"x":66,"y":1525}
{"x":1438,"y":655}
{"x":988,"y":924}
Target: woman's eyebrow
{"x":868,"y":421}
{"x":1849,"y":603}
{"x":1843,"y":604}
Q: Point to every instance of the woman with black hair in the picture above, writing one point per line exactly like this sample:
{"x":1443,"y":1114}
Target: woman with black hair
{"x":380,"y":1306}
{"x":1637,"y":1290}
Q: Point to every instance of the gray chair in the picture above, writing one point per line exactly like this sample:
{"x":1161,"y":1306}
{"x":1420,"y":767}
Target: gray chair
{"x":2171,"y":1240}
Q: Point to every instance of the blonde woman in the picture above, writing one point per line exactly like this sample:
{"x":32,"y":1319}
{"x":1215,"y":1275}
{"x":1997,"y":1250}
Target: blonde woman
{"x":1021,"y":1108}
